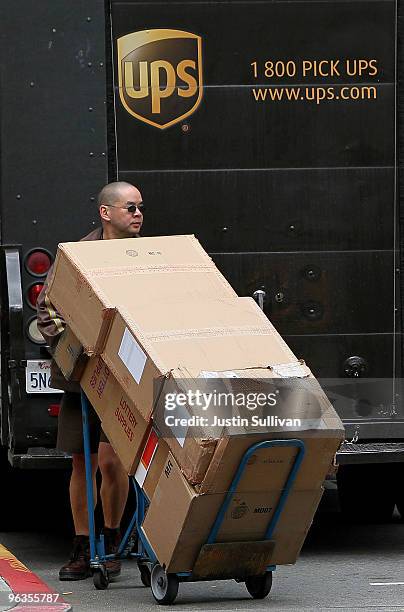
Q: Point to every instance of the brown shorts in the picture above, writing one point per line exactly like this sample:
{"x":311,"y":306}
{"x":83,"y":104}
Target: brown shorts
{"x":70,"y":426}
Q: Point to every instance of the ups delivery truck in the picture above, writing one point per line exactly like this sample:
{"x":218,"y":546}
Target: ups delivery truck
{"x":272,"y":131}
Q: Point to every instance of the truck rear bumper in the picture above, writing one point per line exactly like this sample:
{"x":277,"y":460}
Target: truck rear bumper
{"x":40,"y":458}
{"x":370,"y":452}
{"x":349,"y":453}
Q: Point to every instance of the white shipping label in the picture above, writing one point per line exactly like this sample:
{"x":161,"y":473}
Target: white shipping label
{"x":225,"y":374}
{"x":290,"y":370}
{"x":207,"y":374}
{"x":132,"y":355}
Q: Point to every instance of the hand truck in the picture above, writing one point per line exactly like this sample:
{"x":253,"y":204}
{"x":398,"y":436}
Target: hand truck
{"x":242,"y":561}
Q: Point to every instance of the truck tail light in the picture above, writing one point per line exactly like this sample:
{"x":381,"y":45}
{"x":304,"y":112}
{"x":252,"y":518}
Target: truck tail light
{"x":38,"y":262}
{"x":33,"y":332}
{"x":53,"y":410}
{"x":33,"y":293}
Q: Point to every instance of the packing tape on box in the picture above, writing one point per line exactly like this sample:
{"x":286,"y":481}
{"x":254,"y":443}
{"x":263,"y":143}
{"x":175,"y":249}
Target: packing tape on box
{"x":215,"y":332}
{"x":130,"y":270}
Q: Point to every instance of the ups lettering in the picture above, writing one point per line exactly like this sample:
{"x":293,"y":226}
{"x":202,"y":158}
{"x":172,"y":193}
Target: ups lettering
{"x":152,"y":79}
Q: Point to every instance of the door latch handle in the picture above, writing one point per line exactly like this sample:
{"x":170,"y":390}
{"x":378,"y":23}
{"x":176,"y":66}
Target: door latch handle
{"x":260,"y":297}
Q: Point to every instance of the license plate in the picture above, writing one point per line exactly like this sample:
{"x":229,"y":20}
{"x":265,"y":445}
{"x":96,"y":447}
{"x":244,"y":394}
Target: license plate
{"x":37,"y":375}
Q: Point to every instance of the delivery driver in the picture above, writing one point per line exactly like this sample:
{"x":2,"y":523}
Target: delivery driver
{"x":121,"y":212}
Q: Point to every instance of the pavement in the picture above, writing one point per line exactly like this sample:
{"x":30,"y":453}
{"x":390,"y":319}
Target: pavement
{"x":22,"y":590}
{"x":343,"y":568}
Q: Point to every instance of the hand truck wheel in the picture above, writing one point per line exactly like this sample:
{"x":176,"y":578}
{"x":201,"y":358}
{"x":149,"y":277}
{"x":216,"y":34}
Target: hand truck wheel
{"x":144,"y":574}
{"x":164,"y":587}
{"x":100,"y":579}
{"x":259,"y":586}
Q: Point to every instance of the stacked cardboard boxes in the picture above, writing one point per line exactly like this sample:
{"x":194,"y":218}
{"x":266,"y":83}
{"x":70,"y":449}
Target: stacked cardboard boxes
{"x":159,"y":321}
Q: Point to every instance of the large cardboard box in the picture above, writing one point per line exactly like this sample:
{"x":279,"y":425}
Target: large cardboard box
{"x":182,"y":339}
{"x":69,"y":356}
{"x":121,"y":421}
{"x":91,"y":278}
{"x":179,"y":520}
{"x":304,"y":413}
{"x":194,"y":338}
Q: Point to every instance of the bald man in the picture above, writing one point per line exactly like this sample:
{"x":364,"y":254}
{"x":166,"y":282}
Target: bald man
{"x":121,"y":212}
{"x":114,"y":200}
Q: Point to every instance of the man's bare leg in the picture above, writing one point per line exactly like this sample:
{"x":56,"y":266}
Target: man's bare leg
{"x":114,"y":486}
{"x":78,"y":566}
{"x":78,"y":497}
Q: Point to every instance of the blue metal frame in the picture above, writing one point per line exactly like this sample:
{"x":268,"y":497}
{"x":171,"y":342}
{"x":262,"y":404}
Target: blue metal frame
{"x":126,"y":537}
{"x":97,"y":551}
{"x":145,"y":550}
{"x":284,"y":495}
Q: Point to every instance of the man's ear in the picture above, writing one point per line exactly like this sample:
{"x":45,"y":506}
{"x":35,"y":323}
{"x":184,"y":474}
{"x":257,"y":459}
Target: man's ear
{"x":104,"y":212}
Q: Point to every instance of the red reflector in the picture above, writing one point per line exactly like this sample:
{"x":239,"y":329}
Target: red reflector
{"x":38,"y":262}
{"x":150,"y":448}
{"x":54,"y":410}
{"x":33,"y":293}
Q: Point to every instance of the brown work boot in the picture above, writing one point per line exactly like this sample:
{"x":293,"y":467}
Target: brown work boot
{"x":112,"y":539}
{"x":78,"y":567}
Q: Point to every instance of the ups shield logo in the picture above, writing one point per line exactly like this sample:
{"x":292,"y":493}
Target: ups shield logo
{"x":160,"y":75}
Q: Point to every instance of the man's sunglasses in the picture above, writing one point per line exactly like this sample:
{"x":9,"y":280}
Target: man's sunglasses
{"x":130,"y":207}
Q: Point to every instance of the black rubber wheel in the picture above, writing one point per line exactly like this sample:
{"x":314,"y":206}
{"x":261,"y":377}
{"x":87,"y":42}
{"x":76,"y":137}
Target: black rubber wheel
{"x":145,"y":576}
{"x":259,"y":586}
{"x":100,"y":579}
{"x":164,"y":587}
